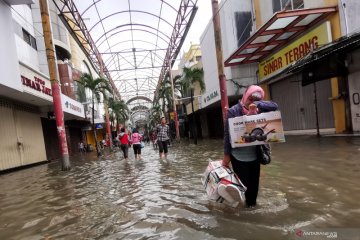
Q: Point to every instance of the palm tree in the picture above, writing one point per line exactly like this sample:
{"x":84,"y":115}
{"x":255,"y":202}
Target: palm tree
{"x":119,"y":111}
{"x":98,"y":87}
{"x":154,"y":116}
{"x":165,"y":92}
{"x":191,"y":76}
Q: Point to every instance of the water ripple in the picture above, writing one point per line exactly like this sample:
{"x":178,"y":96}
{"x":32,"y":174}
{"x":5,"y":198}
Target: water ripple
{"x":163,"y":199}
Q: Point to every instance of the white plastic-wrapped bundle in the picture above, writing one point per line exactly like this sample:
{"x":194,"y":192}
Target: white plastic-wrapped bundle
{"x":222,"y":185}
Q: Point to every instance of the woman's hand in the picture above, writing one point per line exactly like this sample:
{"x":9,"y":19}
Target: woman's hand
{"x":252,"y":109}
{"x":226,"y":161}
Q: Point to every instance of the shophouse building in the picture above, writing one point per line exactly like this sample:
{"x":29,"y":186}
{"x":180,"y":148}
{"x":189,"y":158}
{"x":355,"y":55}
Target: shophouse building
{"x":26,"y":109}
{"x":262,"y":40}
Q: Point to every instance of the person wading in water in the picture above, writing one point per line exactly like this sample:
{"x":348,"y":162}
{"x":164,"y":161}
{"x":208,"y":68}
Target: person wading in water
{"x":162,"y":131}
{"x":244,"y":159}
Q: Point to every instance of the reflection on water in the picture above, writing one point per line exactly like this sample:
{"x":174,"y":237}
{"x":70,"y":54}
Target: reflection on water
{"x":311,"y":183}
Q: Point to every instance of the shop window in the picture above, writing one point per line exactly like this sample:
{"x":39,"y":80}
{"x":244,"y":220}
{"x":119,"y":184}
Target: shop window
{"x":298,"y":4}
{"x":280,"y":5}
{"x":26,"y":37}
{"x":33,"y":42}
{"x":29,"y":39}
{"x":244,"y":25}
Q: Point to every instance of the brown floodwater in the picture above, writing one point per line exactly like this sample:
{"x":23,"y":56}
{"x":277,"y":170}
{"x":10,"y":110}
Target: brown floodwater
{"x":311,"y":184}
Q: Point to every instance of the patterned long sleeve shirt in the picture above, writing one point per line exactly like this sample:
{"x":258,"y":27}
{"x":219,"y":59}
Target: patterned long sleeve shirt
{"x":162,"y":132}
{"x":236,"y":111}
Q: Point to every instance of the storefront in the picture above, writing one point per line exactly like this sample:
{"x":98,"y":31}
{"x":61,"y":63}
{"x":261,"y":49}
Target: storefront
{"x":297,"y":102}
{"x":74,"y":116}
{"x":100,"y":127}
{"x":285,"y":39}
{"x":339,"y":59}
{"x":22,"y":133}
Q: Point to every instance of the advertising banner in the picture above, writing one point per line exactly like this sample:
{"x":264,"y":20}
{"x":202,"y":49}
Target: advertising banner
{"x":256,"y":129}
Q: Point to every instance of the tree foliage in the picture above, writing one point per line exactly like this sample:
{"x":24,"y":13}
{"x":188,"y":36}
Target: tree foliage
{"x":99,"y":87}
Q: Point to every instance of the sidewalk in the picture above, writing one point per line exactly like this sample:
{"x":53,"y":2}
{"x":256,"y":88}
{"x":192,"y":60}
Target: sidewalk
{"x":326,"y":132}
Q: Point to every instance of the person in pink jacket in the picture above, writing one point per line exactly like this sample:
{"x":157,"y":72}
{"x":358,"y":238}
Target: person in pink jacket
{"x":136,"y":142}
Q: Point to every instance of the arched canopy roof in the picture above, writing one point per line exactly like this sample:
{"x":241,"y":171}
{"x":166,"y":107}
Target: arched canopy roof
{"x":137,"y":98}
{"x":134,"y":42}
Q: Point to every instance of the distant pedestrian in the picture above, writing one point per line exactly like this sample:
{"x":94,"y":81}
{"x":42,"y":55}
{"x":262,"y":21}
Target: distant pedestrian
{"x":162,"y":131}
{"x":81,"y":147}
{"x":153,"y":139}
{"x":124,"y":142}
{"x":136,"y":142}
{"x":129,"y":134}
{"x":101,"y":143}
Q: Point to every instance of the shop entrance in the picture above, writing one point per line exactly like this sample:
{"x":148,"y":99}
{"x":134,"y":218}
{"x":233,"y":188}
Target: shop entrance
{"x":297,"y":103}
{"x":22,"y":141}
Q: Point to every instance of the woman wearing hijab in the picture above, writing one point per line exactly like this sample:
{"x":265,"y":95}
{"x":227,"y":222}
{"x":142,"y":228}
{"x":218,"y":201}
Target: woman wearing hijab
{"x":244,"y":159}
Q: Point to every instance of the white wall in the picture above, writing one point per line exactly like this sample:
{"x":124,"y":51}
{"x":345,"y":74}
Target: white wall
{"x":228,"y":24}
{"x":58,"y":28}
{"x":266,"y":8}
{"x":266,"y":11}
{"x":43,"y":65}
{"x":243,"y":74}
{"x":23,"y":17}
{"x":353,"y":16}
{"x":9,"y":67}
{"x":60,"y":34}
{"x":209,"y":63}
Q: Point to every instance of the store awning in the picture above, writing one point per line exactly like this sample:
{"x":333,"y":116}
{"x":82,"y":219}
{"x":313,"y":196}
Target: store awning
{"x":281,"y":29}
{"x":331,"y":57}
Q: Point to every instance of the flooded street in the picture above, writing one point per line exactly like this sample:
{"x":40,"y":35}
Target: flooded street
{"x":310,"y":184}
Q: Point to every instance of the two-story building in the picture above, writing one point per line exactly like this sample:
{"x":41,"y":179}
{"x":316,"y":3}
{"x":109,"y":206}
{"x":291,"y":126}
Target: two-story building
{"x":262,"y":40}
{"x":28,"y":128}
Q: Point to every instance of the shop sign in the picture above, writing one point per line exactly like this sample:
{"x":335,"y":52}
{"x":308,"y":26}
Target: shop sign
{"x":36,"y":84}
{"x":211,"y":96}
{"x":295,"y":51}
{"x":71,"y":106}
{"x":99,"y":126}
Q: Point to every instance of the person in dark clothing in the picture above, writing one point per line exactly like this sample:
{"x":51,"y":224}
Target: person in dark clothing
{"x":124,"y":141}
{"x":244,"y":159}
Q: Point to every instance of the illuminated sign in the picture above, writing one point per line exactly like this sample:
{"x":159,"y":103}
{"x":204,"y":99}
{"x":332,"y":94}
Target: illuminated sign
{"x":295,"y":51}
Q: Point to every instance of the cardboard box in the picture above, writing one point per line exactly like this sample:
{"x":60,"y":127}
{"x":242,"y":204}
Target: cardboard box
{"x":256,"y":129}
